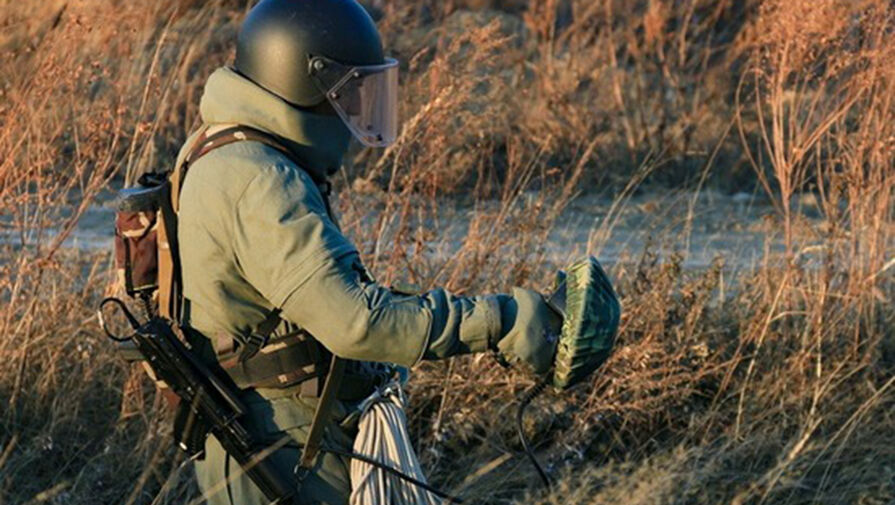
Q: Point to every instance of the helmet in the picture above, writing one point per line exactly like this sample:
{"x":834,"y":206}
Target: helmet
{"x":309,"y":52}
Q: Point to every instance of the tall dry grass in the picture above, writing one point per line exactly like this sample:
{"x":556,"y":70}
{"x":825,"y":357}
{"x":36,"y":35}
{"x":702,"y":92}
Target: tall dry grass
{"x":769,"y":384}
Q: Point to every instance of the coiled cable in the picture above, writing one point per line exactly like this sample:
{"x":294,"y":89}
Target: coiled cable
{"x":384,"y":460}
{"x":523,"y":404}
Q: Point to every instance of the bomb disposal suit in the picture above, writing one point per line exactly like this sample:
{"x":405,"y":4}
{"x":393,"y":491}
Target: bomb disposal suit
{"x":271,"y":286}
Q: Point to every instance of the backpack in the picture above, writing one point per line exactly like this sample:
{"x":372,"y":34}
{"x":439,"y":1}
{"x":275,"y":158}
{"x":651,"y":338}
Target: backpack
{"x":147,"y":257}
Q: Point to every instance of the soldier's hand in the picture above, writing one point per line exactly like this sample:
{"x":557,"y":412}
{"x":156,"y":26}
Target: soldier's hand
{"x":529,"y":331}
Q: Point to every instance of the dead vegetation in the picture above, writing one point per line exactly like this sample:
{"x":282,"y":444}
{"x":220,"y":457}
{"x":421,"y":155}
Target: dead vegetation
{"x":772,"y":384}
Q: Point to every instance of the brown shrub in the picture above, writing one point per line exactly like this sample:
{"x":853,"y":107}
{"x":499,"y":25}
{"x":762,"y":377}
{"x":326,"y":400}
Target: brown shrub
{"x":769,"y":383}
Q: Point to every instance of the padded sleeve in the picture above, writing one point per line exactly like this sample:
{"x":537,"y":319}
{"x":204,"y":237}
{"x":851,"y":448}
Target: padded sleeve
{"x":296,"y":257}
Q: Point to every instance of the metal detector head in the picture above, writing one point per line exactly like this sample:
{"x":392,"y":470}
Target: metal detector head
{"x":591,"y":312}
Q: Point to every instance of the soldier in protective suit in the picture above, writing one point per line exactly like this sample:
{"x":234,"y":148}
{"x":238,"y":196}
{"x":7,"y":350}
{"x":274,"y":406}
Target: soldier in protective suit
{"x":259,"y":245}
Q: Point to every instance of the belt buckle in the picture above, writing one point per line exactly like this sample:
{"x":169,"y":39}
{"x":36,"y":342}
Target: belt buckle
{"x":252,"y":345}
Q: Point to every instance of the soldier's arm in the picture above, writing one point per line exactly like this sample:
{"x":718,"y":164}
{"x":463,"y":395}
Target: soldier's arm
{"x":297,"y":258}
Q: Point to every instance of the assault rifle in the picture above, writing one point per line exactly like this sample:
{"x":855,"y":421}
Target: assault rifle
{"x":208,"y":403}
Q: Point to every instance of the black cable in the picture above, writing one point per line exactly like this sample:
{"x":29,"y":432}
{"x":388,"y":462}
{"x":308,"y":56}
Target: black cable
{"x":523,"y":403}
{"x":394,"y":471}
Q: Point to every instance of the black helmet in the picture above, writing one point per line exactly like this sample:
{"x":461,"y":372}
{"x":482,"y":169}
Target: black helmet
{"x":308,"y":51}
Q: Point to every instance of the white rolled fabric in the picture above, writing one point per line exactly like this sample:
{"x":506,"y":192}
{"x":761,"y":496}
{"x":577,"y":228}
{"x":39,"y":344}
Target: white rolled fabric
{"x":382,"y":436}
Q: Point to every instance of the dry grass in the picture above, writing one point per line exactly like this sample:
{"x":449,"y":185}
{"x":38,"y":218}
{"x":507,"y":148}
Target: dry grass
{"x":771,"y":384}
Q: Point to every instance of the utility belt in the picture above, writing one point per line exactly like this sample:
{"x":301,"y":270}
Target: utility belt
{"x":293,"y":360}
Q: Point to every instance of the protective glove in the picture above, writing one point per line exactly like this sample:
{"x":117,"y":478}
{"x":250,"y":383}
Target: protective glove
{"x":529,"y":331}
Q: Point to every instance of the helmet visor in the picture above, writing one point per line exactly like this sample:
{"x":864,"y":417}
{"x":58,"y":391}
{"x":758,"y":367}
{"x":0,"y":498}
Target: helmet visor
{"x":365,"y":97}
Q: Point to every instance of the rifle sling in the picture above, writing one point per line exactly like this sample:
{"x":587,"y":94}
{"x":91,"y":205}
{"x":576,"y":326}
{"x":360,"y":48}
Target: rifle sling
{"x":321,"y":416}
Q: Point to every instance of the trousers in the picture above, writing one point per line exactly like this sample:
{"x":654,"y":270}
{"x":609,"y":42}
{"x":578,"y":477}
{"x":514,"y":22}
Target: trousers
{"x":272,"y":415}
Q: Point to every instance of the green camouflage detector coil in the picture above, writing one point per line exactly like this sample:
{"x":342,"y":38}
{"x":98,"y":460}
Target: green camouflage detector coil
{"x":590,"y":310}
{"x":591,"y":315}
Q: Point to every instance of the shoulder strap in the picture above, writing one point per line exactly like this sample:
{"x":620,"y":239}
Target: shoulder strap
{"x":213,"y":137}
{"x":209,"y":138}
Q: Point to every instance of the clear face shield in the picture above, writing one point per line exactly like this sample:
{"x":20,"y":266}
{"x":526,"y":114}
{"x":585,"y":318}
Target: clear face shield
{"x":365,"y":97}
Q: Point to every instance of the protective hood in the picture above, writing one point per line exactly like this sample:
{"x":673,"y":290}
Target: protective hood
{"x":317,"y":141}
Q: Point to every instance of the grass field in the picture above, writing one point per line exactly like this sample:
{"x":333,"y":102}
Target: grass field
{"x":763,"y":382}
